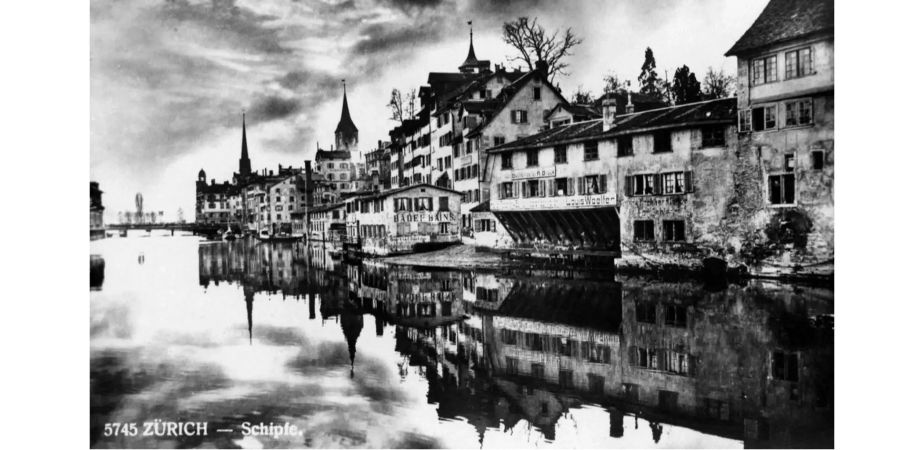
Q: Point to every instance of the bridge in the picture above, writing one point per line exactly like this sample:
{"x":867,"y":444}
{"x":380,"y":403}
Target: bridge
{"x":202,"y":229}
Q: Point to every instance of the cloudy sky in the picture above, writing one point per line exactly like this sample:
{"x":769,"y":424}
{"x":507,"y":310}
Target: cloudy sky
{"x":169,"y":78}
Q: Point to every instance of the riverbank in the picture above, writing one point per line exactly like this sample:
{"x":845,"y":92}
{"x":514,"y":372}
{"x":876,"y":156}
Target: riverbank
{"x":470,"y":257}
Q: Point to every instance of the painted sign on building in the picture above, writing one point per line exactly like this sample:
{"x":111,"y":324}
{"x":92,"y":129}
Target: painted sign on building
{"x":537,"y":172}
{"x":440,"y":216}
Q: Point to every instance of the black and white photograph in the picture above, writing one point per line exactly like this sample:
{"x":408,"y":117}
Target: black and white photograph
{"x":461,"y":224}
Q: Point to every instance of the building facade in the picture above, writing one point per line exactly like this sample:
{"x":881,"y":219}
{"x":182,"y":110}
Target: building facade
{"x":784,"y":221}
{"x":97,"y":230}
{"x":403,"y":220}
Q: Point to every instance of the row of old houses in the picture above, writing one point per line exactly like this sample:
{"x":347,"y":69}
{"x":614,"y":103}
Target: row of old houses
{"x":745,"y":181}
{"x":742,"y":182}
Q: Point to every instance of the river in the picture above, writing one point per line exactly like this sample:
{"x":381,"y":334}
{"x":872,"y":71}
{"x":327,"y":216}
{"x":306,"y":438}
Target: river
{"x":244,"y":333}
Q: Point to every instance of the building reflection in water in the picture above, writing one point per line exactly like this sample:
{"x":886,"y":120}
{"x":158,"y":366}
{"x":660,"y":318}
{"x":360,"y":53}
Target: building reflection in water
{"x":98,"y":270}
{"x":752,"y":362}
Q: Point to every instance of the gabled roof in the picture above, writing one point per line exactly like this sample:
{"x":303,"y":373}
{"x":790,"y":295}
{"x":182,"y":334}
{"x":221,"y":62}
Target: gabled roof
{"x":784,"y":20}
{"x":510,"y":91}
{"x":711,"y":112}
{"x":332,"y":154}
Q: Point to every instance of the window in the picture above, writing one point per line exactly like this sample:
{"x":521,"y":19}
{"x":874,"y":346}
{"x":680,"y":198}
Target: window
{"x":764,"y":70}
{"x":798,"y":113}
{"x":506,"y":161}
{"x":444,"y":227}
{"x":662,"y":142}
{"x":624,"y":146}
{"x":798,"y":63}
{"x":532,"y":157}
{"x":565,"y":376}
{"x":763,"y":118}
{"x":590,"y":150}
{"x":713,"y":136}
{"x":596,"y":353}
{"x":673,"y":183}
{"x":744,"y":121}
{"x":519,"y":116}
{"x":499,"y":140}
{"x":562,"y":187}
{"x":645,"y":312}
{"x":595,"y":383}
{"x":559,"y":154}
{"x":424,"y":204}
{"x":641,"y":184}
{"x":673,"y":230}
{"x":506,"y":190}
{"x":789,"y":162}
{"x":676,"y":316}
{"x":537,"y":370}
{"x":818,"y":160}
{"x":785,"y":366}
{"x":443,"y":203}
{"x":594,"y":184}
{"x":531,"y":188}
{"x":482,"y":93}
{"x":512,"y":365}
{"x":781,"y":189}
{"x":643,"y":230}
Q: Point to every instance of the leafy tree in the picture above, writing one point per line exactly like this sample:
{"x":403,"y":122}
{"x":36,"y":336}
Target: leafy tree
{"x":533,"y":43}
{"x":402,"y":107}
{"x":582,"y":96}
{"x":716,"y":84}
{"x":685,"y":87}
{"x":611,"y":83}
{"x":648,"y":79}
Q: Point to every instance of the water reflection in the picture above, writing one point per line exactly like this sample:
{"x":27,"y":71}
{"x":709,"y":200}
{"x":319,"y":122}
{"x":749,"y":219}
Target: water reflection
{"x":370,"y":355}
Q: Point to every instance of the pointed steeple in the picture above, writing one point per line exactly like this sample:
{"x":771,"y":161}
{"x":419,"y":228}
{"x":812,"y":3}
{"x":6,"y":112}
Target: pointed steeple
{"x":244,"y":164}
{"x":345,"y":125}
{"x":472,"y":63}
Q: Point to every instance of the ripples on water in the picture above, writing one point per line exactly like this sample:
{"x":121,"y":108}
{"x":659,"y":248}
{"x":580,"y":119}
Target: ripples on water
{"x":367,"y":355}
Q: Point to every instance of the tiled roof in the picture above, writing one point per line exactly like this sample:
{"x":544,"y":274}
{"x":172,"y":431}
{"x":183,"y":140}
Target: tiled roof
{"x":507,"y":94}
{"x":332,"y":154}
{"x":484,"y":206}
{"x":783,"y":20}
{"x":689,"y":115}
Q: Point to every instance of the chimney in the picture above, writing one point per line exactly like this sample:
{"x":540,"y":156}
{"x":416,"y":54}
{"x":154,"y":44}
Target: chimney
{"x":608,"y":108}
{"x":629,"y":108}
{"x":542,"y":67}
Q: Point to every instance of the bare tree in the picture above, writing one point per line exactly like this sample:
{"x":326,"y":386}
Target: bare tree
{"x":533,"y":43}
{"x":402,"y":107}
{"x":716,"y":84}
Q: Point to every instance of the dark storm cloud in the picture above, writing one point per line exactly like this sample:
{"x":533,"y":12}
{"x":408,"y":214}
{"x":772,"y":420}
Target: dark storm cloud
{"x":410,"y":5}
{"x":239,"y":26}
{"x":390,"y":38}
{"x":273,"y":108}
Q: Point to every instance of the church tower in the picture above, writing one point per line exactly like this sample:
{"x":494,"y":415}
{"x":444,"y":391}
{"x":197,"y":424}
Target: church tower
{"x":472,"y":64}
{"x":244,"y":165}
{"x":346,"y":136}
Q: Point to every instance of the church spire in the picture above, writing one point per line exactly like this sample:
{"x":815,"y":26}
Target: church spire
{"x":244,"y":165}
{"x":472,"y":64}
{"x":346,"y":135}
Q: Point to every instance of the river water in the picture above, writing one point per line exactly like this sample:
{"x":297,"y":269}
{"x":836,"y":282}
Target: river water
{"x":236,"y":334}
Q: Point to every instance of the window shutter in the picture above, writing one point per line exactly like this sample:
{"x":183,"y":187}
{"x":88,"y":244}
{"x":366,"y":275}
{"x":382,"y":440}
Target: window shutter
{"x":512,"y":116}
{"x":602,"y":184}
{"x":515,"y":190}
{"x":396,"y":208}
{"x":542,"y":188}
{"x":629,"y":186}
{"x":657,"y":185}
{"x":525,"y":189}
{"x":688,"y":181}
{"x":632,"y":356}
{"x":524,"y":116}
{"x":580,"y":186}
{"x":570,"y":188}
